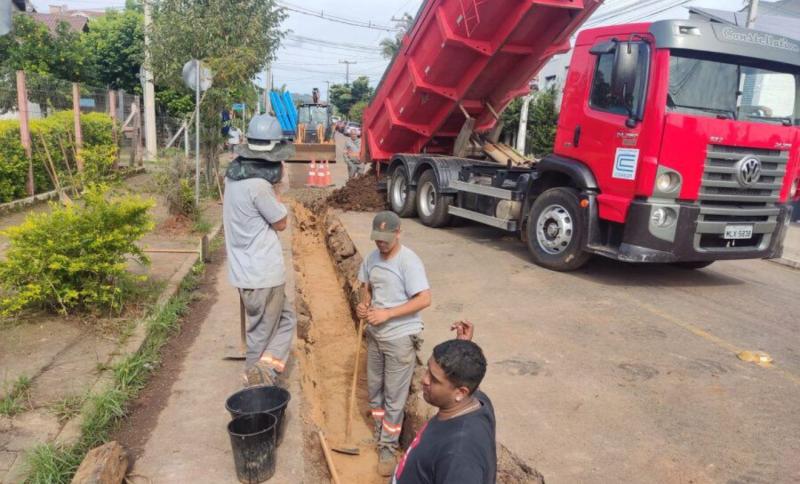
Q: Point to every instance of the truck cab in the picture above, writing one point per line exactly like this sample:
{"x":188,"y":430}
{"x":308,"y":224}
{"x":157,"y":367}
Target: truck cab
{"x":690,"y":132}
{"x":677,"y":141}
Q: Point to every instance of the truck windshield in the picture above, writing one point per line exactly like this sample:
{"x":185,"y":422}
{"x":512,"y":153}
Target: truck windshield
{"x":727,"y":89}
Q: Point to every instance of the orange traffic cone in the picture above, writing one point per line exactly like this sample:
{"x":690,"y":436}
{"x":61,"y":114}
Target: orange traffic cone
{"x":311,"y":180}
{"x":320,"y":175}
{"x":326,"y":179}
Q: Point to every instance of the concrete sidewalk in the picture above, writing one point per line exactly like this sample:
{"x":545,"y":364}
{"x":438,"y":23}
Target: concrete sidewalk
{"x":791,"y":247}
{"x":190,"y":442}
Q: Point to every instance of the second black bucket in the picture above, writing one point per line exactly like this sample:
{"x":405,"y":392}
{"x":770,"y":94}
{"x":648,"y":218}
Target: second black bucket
{"x":253,"y":441}
{"x":260,"y":399}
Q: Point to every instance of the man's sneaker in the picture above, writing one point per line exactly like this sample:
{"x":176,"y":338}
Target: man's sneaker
{"x":386,"y":462}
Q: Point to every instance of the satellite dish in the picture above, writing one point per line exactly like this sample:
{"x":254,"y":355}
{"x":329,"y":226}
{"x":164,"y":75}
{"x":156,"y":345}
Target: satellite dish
{"x":189,"y":75}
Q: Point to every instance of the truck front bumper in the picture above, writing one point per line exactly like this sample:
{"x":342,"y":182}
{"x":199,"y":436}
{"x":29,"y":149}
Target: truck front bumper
{"x":697,"y":235}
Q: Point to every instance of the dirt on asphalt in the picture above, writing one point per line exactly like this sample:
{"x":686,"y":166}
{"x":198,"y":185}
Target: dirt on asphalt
{"x":359,"y":194}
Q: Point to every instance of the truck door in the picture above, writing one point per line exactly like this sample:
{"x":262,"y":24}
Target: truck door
{"x":612,"y":122}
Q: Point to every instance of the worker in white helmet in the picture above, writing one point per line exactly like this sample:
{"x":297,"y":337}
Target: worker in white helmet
{"x":253,"y":214}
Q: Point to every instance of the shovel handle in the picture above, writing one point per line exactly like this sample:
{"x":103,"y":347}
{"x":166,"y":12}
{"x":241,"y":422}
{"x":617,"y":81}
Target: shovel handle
{"x":351,"y":404}
{"x":328,"y":458}
{"x":243,"y":341}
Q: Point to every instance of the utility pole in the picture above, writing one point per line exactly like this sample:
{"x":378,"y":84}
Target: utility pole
{"x":150,"y":145}
{"x":347,"y":63}
{"x":268,"y":89}
{"x":752,"y":13}
{"x":328,"y":91}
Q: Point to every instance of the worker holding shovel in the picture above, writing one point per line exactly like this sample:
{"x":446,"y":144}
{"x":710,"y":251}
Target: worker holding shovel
{"x":395,"y":290}
{"x":253,"y":215}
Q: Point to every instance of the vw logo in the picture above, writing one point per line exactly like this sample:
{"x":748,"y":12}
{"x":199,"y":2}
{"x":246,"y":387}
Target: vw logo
{"x":748,"y":171}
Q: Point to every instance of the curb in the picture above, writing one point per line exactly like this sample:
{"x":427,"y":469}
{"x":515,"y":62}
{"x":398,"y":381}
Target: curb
{"x":793,"y":264}
{"x":70,"y":432}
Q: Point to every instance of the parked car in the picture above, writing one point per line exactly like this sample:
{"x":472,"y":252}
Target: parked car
{"x":349,"y":127}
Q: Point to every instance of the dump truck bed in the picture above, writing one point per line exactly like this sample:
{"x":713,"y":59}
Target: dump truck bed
{"x":464,"y":56}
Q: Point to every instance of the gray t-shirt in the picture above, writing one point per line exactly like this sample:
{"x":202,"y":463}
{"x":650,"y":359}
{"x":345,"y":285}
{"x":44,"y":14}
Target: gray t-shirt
{"x":255,"y":257}
{"x":394,"y":282}
{"x":353,"y":147}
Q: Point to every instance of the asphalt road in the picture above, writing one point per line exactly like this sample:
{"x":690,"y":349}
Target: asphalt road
{"x":623,"y":373}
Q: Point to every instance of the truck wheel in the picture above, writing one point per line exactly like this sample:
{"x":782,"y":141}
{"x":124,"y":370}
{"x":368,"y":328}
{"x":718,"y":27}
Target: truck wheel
{"x":402,"y":197}
{"x":692,"y":265}
{"x":431,"y":203}
{"x":555,"y":230}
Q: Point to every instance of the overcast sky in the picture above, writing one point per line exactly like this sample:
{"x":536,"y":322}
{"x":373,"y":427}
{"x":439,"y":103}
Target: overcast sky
{"x":303,"y":65}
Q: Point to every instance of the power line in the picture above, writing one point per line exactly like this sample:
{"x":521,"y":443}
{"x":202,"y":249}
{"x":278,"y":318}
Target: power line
{"x":335,"y":18}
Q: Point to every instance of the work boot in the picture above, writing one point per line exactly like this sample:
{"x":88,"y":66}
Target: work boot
{"x":260,"y":374}
{"x":386,"y":462}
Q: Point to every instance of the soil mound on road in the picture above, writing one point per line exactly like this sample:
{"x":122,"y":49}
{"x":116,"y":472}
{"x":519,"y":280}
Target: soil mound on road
{"x":360,"y":195}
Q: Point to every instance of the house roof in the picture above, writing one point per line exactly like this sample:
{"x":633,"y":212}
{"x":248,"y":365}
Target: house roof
{"x":781,"y":22}
{"x":77,"y":23}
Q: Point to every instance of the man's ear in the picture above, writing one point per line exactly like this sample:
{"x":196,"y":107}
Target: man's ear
{"x":461,"y":393}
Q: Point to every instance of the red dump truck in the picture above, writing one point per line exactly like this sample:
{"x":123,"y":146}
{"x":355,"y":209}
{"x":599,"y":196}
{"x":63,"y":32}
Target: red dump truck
{"x":677,"y":141}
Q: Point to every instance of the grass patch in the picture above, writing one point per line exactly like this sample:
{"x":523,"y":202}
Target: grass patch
{"x":67,"y":407}
{"x":53,"y":463}
{"x":18,"y":398}
{"x":201,"y":226}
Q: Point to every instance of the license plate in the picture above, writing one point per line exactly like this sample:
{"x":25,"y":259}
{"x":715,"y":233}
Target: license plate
{"x":738,"y":231}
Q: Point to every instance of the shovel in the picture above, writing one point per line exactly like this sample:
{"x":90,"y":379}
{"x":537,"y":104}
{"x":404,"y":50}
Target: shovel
{"x":348,"y":447}
{"x":241,"y":356}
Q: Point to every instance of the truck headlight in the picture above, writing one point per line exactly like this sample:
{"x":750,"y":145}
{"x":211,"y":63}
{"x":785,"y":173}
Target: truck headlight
{"x":667,"y":182}
{"x":663,"y":217}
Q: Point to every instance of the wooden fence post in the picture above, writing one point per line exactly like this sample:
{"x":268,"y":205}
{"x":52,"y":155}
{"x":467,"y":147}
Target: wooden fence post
{"x":112,"y":111}
{"x":76,"y":114}
{"x":24,"y":129}
{"x":112,"y":105}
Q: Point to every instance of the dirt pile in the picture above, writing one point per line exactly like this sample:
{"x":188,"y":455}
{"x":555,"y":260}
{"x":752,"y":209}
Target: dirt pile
{"x":359,"y":194}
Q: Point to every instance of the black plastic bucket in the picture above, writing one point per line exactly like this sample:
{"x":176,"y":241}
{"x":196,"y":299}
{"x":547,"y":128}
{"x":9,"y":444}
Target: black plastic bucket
{"x":253,"y":440}
{"x":260,"y":399}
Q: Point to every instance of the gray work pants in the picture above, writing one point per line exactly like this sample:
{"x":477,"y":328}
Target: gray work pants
{"x":390,"y":366}
{"x":353,"y":169}
{"x":270,"y":324}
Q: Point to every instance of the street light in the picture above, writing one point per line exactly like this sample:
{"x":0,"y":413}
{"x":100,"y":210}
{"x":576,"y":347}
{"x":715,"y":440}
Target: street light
{"x":199,"y":78}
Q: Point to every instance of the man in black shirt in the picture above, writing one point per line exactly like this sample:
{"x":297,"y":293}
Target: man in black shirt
{"x":457,"y":446}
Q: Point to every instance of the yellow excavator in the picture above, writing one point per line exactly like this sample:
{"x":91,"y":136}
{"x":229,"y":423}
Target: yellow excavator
{"x":314,"y":139}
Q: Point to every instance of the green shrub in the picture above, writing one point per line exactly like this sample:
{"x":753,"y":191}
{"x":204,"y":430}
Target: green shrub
{"x":74,"y":257}
{"x":13,"y":164}
{"x":97,"y":129}
{"x":98,"y":163}
{"x":57,"y":133}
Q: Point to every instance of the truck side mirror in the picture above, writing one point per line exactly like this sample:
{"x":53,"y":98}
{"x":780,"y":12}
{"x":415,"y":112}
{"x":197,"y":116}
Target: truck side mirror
{"x":624,"y":73}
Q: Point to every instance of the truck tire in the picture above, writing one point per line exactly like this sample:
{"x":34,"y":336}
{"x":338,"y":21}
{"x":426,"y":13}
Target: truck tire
{"x":431,"y":203}
{"x":402,"y":196}
{"x":692,"y":265}
{"x":556,"y":230}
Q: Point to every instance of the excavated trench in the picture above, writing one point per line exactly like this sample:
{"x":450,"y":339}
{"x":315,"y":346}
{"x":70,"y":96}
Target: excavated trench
{"x":326,"y":264}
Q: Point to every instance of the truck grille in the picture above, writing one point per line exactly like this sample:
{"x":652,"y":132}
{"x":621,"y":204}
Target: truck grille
{"x":719,"y":176}
{"x":723,"y":201}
